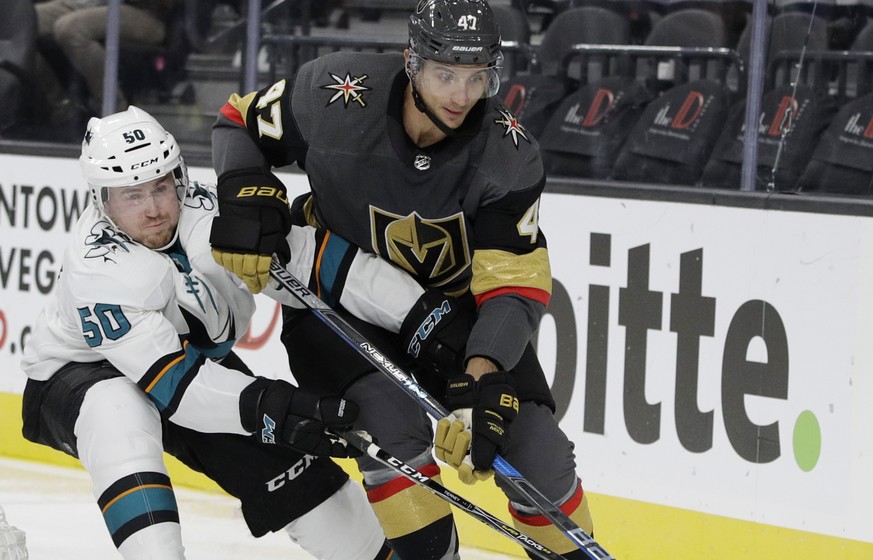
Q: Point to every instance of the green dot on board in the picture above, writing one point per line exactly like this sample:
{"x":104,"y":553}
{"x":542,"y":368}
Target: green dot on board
{"x":807,"y":441}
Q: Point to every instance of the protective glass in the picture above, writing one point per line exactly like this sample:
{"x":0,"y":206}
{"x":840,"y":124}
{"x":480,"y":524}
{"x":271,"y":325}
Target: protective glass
{"x":445,"y":80}
{"x":165,"y":191}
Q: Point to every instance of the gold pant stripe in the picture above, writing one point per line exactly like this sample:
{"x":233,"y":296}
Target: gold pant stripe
{"x":410,"y":510}
{"x":552,"y":537}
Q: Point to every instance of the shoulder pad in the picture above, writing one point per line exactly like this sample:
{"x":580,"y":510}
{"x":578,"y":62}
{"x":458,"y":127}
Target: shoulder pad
{"x":342,"y":78}
{"x":512,"y":155}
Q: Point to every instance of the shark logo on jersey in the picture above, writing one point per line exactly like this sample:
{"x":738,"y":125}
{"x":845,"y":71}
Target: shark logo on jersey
{"x":104,"y":241}
{"x":199,"y":196}
{"x":434,"y":250}
{"x":348,"y":89}
{"x":511,"y":127}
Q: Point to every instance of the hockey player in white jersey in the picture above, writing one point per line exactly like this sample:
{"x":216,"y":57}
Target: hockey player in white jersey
{"x":132,"y":356}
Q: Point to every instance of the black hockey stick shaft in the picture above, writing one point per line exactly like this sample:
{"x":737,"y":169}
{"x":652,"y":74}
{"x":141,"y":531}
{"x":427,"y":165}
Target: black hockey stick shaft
{"x":416,"y":476}
{"x":503,"y":470}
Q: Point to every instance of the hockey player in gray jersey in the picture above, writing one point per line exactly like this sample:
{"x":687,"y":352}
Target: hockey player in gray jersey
{"x":412,"y":158}
{"x":132,"y":356}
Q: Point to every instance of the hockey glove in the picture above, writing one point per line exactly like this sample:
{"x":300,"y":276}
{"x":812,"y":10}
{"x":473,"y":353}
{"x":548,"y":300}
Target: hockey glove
{"x":252,"y":224}
{"x":279,"y":413}
{"x":435,"y":332}
{"x":478,"y":429}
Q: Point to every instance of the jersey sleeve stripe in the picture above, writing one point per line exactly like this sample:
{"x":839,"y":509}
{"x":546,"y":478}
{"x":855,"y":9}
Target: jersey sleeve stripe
{"x":332,"y":267}
{"x":526,"y":274}
{"x":541,"y":296}
{"x":167,"y":379}
{"x":237,"y":107}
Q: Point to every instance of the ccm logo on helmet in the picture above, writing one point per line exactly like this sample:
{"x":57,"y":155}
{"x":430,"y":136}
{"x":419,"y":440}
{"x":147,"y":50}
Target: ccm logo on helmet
{"x":142,"y":164}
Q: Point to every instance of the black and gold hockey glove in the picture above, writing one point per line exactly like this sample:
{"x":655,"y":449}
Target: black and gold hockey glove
{"x":483,"y":411}
{"x":279,"y":413}
{"x":252,"y":224}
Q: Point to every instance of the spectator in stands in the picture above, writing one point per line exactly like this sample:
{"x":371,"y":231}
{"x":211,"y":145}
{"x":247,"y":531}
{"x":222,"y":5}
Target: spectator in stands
{"x":78,"y":27}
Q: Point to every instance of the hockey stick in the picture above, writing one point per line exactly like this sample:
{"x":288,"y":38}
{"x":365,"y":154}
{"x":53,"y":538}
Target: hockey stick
{"x":416,"y":476}
{"x":503,"y":470}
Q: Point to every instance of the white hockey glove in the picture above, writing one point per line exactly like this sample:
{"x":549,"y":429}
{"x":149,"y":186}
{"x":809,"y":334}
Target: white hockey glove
{"x":478,"y":428}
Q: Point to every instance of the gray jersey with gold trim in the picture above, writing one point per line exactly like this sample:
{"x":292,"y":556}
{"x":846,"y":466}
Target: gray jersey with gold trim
{"x":461,"y":214}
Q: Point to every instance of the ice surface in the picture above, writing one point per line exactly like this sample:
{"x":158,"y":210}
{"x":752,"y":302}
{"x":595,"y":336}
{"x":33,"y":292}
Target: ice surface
{"x":61,"y":520}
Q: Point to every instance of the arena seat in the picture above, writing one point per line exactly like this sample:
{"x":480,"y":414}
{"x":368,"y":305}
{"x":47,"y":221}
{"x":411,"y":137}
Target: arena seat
{"x":792,"y":120}
{"x":534,"y":96}
{"x":842,"y":162}
{"x":17,"y":51}
{"x":588,"y":128}
{"x":672,"y":140}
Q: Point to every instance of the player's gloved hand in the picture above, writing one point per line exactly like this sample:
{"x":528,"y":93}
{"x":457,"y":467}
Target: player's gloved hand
{"x":254,"y":270}
{"x":252,"y":224}
{"x":435,"y":331}
{"x":279,"y":413}
{"x":478,"y":430}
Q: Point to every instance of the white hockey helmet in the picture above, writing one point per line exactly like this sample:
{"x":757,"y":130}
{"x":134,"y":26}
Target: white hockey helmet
{"x":129,"y":148}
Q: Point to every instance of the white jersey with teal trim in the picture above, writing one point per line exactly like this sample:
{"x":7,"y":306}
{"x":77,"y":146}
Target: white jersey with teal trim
{"x":166,"y":318}
{"x":157,"y":316}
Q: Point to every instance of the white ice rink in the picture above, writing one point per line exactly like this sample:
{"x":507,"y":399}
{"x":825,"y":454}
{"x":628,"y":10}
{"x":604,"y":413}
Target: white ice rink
{"x":55,"y":508}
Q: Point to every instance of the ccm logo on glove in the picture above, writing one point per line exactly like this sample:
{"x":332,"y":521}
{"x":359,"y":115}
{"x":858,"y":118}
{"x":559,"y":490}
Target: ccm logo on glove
{"x":427,"y":327}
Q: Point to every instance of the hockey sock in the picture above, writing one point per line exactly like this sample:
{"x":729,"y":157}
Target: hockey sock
{"x":542,"y":530}
{"x":138,"y":506}
{"x":418,"y":524}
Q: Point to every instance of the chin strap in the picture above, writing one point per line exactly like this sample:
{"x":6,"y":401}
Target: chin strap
{"x":419,"y":104}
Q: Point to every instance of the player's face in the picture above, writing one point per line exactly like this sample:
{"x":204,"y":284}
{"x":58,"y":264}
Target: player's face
{"x":450,"y":91}
{"x":148,"y":212}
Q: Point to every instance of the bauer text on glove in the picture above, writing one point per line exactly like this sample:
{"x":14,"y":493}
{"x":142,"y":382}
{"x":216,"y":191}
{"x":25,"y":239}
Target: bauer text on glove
{"x":484,"y":410}
{"x":252,"y":224}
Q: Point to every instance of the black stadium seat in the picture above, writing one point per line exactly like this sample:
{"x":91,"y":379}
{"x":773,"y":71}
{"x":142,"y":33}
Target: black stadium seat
{"x":791,"y":121}
{"x":588,"y":128}
{"x":674,"y":137}
{"x":17,"y":48}
{"x":533,"y":97}
{"x":843,"y":159}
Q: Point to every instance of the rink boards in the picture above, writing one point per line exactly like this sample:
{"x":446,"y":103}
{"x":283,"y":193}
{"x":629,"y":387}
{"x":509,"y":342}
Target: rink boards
{"x":711,"y":362}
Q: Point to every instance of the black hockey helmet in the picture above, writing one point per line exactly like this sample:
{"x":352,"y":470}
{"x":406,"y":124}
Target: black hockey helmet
{"x":455,"y":32}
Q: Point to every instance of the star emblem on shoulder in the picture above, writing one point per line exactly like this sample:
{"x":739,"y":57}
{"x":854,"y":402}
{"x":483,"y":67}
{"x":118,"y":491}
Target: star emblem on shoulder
{"x":511,"y":126}
{"x":348,"y":89}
